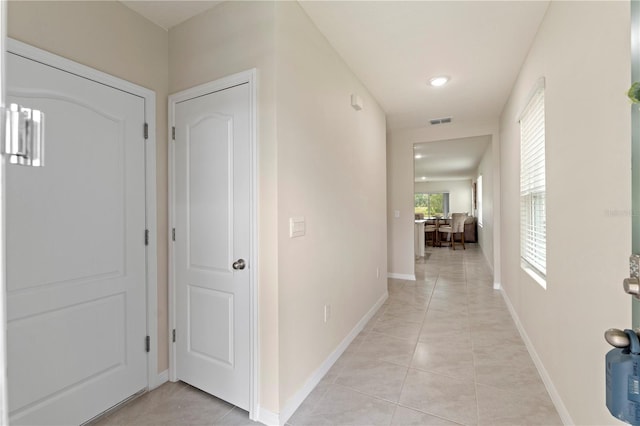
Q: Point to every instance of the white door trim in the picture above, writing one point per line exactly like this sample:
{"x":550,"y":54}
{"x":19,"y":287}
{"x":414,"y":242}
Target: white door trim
{"x":4,"y":394}
{"x":13,"y":46}
{"x":203,"y":89}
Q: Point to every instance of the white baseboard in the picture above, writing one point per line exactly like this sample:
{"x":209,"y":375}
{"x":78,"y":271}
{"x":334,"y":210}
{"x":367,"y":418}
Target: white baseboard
{"x":267,"y":417}
{"x":410,"y":277}
{"x":546,"y":379}
{"x":159,"y":379}
{"x":294,"y":402}
{"x":497,"y":286}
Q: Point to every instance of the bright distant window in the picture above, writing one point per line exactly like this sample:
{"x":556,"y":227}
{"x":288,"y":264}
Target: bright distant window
{"x":533,"y":219}
{"x":432,"y":204}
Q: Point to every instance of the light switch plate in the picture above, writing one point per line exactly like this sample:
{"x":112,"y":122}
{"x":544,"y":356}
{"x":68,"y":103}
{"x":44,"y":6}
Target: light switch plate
{"x":297,"y":227}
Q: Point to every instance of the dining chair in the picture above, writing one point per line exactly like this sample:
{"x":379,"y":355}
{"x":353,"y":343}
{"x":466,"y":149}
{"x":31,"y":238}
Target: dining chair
{"x":430,"y":230}
{"x":456,"y":228}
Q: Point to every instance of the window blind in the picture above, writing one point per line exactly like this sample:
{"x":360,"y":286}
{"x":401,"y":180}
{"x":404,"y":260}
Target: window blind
{"x":533,"y":235}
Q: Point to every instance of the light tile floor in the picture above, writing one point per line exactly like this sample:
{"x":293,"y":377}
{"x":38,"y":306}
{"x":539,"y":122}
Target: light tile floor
{"x":177,"y":404}
{"x":442,"y":350}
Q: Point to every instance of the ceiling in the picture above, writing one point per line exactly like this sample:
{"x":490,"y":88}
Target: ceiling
{"x":395,"y":47}
{"x":169,"y":13}
{"x":454,"y":159}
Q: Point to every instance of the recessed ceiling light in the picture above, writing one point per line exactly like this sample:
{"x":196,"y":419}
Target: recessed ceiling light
{"x":423,"y":178}
{"x":418,"y":156}
{"x":439,"y":81}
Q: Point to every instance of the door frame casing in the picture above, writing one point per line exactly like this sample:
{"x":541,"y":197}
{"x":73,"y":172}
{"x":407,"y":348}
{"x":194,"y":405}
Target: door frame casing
{"x":4,"y":394}
{"x":635,"y":147}
{"x":249,"y":77}
{"x":151,"y":268}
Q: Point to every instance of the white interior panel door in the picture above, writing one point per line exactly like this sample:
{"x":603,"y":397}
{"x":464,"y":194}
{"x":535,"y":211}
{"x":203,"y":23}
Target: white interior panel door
{"x":76,"y":285}
{"x":212,"y":220}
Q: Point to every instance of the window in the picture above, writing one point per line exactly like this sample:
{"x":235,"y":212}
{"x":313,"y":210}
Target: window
{"x":479,"y":199}
{"x":533,"y":234}
{"x":432,"y":204}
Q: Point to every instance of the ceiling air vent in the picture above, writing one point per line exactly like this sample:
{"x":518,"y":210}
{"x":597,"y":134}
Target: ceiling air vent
{"x":440,"y":121}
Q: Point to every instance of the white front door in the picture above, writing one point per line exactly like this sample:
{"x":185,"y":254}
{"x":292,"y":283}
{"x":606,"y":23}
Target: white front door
{"x":76,"y":302}
{"x":212,"y":233}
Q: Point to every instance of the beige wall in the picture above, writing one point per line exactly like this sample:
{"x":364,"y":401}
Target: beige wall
{"x":583,"y":51}
{"x":486,"y":231}
{"x":317,"y":158}
{"x":331,"y":170}
{"x":111,"y":38}
{"x":400,"y":185}
{"x":459,"y":193}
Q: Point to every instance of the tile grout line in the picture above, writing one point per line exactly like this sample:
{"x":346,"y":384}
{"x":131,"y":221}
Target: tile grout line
{"x":415,"y":347}
{"x":433,"y":290}
{"x":473,"y":355}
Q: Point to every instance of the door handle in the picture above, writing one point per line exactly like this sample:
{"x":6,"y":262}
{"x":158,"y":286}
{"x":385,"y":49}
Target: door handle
{"x":617,"y":338}
{"x":632,"y":286}
{"x":239,"y":264}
